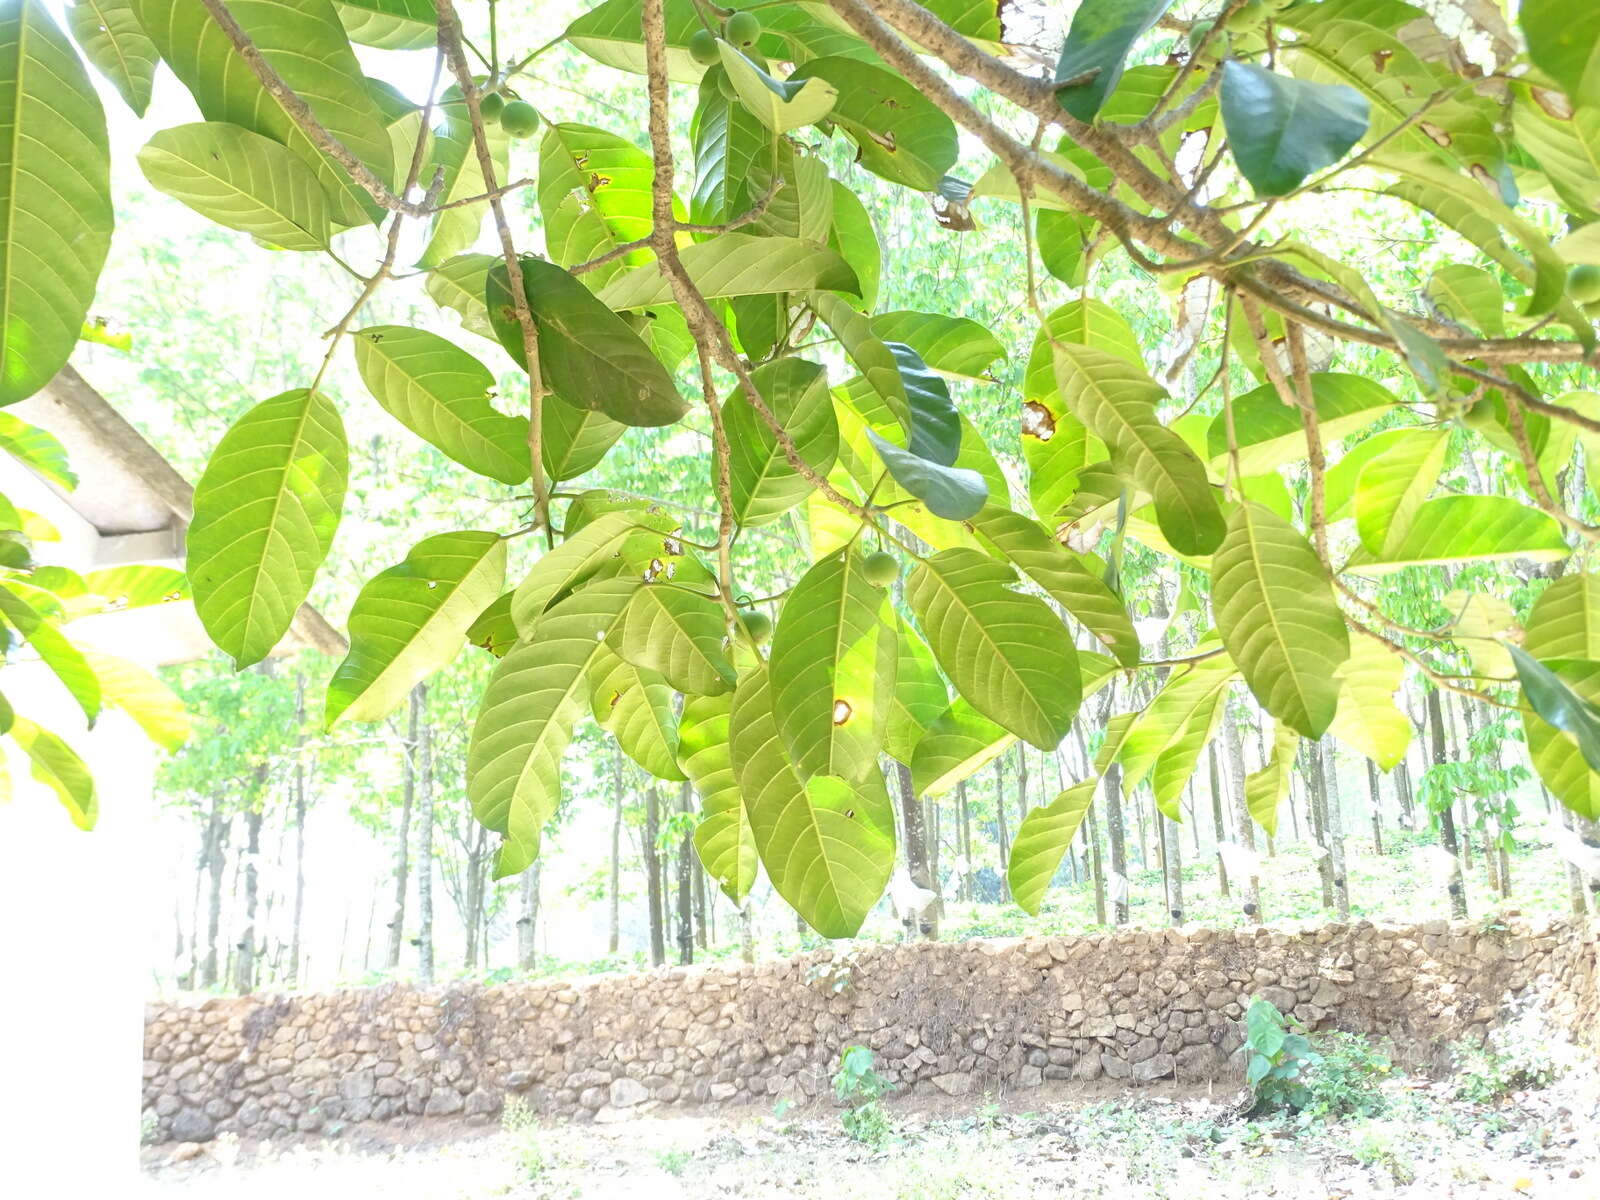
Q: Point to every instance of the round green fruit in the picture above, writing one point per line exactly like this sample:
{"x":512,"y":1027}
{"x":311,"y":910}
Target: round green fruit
{"x":742,"y":28}
{"x":519,"y":118}
{"x":1583,"y":283}
{"x":880,"y":568}
{"x":491,"y":104}
{"x":703,"y":47}
{"x":757,"y":624}
{"x":1248,"y":18}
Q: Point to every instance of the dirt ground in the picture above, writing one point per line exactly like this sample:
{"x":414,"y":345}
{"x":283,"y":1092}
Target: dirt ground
{"x":1543,"y":1143}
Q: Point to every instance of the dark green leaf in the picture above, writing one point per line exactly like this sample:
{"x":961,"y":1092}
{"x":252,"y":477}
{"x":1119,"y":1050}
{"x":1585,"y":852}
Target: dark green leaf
{"x":1281,"y":129}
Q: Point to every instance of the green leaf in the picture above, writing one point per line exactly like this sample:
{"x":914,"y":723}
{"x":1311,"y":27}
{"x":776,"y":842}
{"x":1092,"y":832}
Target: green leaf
{"x":780,"y":105}
{"x":857,"y":242}
{"x":1117,"y":401}
{"x":1394,"y":484}
{"x":265,"y":511}
{"x":636,"y":706}
{"x":525,"y":720}
{"x":111,"y":38}
{"x":958,"y":744}
{"x":64,"y":659}
{"x":950,"y":345}
{"x":1464,"y":528}
{"x":737,"y":264}
{"x":919,"y":695}
{"x":459,"y":283}
{"x":730,"y":146}
{"x":1564,"y":43}
{"x":1189,"y":699}
{"x":954,"y":493}
{"x":575,"y":560}
{"x":58,"y":767}
{"x":1062,"y":574}
{"x":1468,"y":295}
{"x":1265,"y":789}
{"x":442,"y":394}
{"x":764,"y":485}
{"x":1563,"y":629}
{"x":723,"y":838}
{"x":1558,"y":757}
{"x":1564,"y":141}
{"x":827,"y":844}
{"x":677,"y":633}
{"x":594,"y":195}
{"x":412,"y":619}
{"x":390,"y":24}
{"x":1004,"y":651}
{"x":137,"y":585}
{"x":303,"y":41}
{"x":899,"y":133}
{"x":1270,"y":432}
{"x":575,"y":439}
{"x":833,"y":669}
{"x":1368,"y":720}
{"x":588,"y":355}
{"x":870,"y":354}
{"x":149,"y":702}
{"x":1282,"y":129}
{"x":456,"y":228}
{"x":1175,"y":765}
{"x":1098,"y":40}
{"x":1042,"y":841}
{"x":240,"y":180}
{"x":1558,"y":704}
{"x":493,"y":629}
{"x":1278,"y":618}
{"x":38,"y":448}
{"x":55,"y":198}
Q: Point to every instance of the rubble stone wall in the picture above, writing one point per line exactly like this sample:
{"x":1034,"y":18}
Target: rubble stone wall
{"x":962,"y":1018}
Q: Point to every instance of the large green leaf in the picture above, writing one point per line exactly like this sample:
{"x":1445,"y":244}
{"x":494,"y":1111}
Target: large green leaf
{"x":1394,"y":484}
{"x":1265,"y":789}
{"x":1042,"y":841}
{"x":1564,"y":630}
{"x":1117,"y":401}
{"x":1270,"y":433}
{"x":1558,"y":704}
{"x":1098,"y":41}
{"x":411,"y":620}
{"x":1004,"y":651}
{"x":455,"y":228}
{"x":954,"y":493}
{"x":1281,"y":129}
{"x":636,"y":706}
{"x":833,"y":669}
{"x":949,"y":345}
{"x":723,"y":838}
{"x":110,"y":36}
{"x":55,"y":650}
{"x":459,"y":283}
{"x":899,"y":133}
{"x":1463,"y":528}
{"x":1564,"y":43}
{"x":1368,"y":720}
{"x":390,"y":24}
{"x":779,"y":104}
{"x":827,"y":844}
{"x":958,"y":744}
{"x":1278,"y":618}
{"x":265,"y":511}
{"x":1061,"y":573}
{"x":58,"y":767}
{"x":588,"y":355}
{"x":594,"y":195}
{"x":441,"y":393}
{"x":920,"y":695}
{"x":1185,"y":703}
{"x":303,"y":41}
{"x":764,"y":485}
{"x":869,"y":352}
{"x":730,"y":148}
{"x":55,"y":198}
{"x":1565,"y":142}
{"x":525,"y":720}
{"x":574,"y":439}
{"x":1468,"y":295}
{"x":737,"y":264}
{"x":580,"y":556}
{"x":677,"y":633}
{"x":241,"y":180}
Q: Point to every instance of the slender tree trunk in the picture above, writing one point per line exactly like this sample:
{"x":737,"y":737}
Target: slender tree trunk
{"x":1377,"y":807}
{"x":1334,"y":813}
{"x":244,"y":972}
{"x":216,"y":863}
{"x":1097,"y":869}
{"x":424,"y":753}
{"x":965,"y":835}
{"x":528,"y":922}
{"x":614,"y":930}
{"x":1002,"y":829}
{"x":402,"y":855}
{"x":652,"y":871}
{"x":299,"y":871}
{"x":1576,"y":893}
{"x":685,"y":870}
{"x":1456,"y":886}
{"x":702,"y":912}
{"x":1249,"y":888}
{"x":1118,"y":886}
{"x":472,"y":900}
{"x":1317,"y":806}
{"x":1174,"y":868}
{"x":1217,"y":823}
{"x":918,"y":866}
{"x":1404,"y":794}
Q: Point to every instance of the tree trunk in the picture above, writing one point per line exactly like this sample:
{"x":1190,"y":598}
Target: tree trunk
{"x":1377,"y":807}
{"x":299,"y":872}
{"x":1249,"y":888}
{"x":1117,"y":836}
{"x":965,"y":835}
{"x":1317,"y":806}
{"x":1576,"y":893}
{"x":424,"y":753}
{"x":685,"y":884}
{"x":402,"y":857}
{"x":924,"y":923}
{"x":244,"y":967}
{"x":217,"y":827}
{"x":1173,"y":837}
{"x":614,"y":929}
{"x":1097,"y":869}
{"x":528,"y":922}
{"x":1216,"y":819}
{"x":1333,"y":812}
{"x":1456,"y":886}
{"x":1001,"y":827}
{"x":652,"y":872}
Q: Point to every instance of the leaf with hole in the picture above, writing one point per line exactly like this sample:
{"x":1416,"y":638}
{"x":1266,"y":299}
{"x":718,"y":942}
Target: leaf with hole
{"x":111,"y":38}
{"x":900,"y":134}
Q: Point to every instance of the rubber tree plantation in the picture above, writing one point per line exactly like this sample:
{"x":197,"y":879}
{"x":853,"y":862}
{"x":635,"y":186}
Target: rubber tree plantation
{"x":1306,"y":449}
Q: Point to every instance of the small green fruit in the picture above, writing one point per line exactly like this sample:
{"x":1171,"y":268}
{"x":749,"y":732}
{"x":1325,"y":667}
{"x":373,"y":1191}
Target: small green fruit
{"x":490,"y":104}
{"x":703,"y":47}
{"x":1248,"y":18}
{"x":880,"y":568}
{"x":742,"y":29}
{"x":725,"y":86}
{"x":757,"y":624}
{"x":519,"y":118}
{"x":1583,"y":283}
{"x":1199,"y":30}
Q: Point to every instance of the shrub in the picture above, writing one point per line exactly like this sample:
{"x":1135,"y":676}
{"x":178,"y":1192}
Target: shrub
{"x":1343,"y":1081}
{"x":1520,"y":1054}
{"x":1279,"y":1058}
{"x":858,"y":1084}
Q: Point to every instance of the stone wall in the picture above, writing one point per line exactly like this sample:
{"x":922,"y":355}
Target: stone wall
{"x":962,"y":1018}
